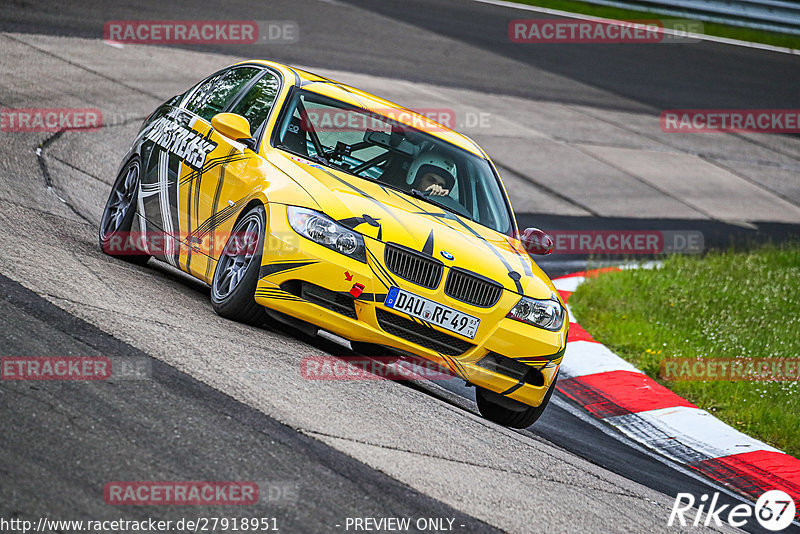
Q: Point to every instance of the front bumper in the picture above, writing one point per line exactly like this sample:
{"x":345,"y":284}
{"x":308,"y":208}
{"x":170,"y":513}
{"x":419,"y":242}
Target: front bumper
{"x":312,"y":283}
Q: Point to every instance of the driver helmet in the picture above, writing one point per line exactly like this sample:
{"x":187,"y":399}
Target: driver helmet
{"x":434,"y":162}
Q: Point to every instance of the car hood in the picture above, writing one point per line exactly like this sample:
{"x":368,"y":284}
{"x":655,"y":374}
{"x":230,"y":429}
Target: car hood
{"x":387,"y":215}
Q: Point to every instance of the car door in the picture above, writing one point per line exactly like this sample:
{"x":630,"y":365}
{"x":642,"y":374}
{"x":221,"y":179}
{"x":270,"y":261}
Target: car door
{"x":223,"y":190}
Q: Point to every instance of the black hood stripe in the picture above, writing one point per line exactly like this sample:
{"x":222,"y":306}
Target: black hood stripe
{"x":428,"y":248}
{"x":381,"y":273}
{"x":275,"y":268}
{"x":369,"y":197}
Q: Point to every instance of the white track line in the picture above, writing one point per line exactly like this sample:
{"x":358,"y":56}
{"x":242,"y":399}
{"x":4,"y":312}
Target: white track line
{"x":587,"y":358}
{"x":694,"y":427}
{"x":680,"y":467}
{"x":568,"y":284}
{"x":700,"y":36}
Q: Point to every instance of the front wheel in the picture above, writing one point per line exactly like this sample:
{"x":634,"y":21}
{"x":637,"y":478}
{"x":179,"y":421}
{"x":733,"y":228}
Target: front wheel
{"x":508,"y":412}
{"x":234,"y":284}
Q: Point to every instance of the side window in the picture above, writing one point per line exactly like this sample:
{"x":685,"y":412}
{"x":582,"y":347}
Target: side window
{"x":214,"y":95}
{"x":202,"y":93}
{"x":258,"y":101}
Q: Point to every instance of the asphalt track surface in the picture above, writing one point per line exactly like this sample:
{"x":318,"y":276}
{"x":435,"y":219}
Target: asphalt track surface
{"x":67,"y":433}
{"x":382,"y":38}
{"x":188,"y":428}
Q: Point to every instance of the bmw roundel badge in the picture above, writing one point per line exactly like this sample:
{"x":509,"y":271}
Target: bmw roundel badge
{"x":446,"y":255}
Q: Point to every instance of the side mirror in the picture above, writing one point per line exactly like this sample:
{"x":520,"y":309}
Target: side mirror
{"x":234,"y":127}
{"x":536,"y":241}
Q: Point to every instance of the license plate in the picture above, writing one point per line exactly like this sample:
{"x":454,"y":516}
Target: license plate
{"x":432,"y":312}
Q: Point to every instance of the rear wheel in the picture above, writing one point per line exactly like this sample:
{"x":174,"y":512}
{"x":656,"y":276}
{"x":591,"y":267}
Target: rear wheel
{"x":508,"y":412}
{"x":117,"y":219}
{"x":234,"y":284}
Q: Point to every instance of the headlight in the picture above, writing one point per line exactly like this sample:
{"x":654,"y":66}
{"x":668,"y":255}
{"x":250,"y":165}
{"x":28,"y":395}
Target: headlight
{"x":322,"y":229}
{"x":547,"y":314}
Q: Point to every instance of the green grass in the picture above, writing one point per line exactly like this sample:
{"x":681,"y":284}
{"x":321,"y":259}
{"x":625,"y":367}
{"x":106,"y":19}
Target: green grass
{"x":709,"y":28}
{"x":724,"y":305}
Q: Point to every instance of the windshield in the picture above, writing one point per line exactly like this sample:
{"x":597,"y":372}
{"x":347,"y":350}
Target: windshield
{"x":376,"y":147}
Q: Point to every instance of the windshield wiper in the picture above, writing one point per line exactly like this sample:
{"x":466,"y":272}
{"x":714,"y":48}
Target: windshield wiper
{"x":312,"y":157}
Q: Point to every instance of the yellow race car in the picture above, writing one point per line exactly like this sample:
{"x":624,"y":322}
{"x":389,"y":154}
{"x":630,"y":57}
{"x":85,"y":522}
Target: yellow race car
{"x":320,"y":204}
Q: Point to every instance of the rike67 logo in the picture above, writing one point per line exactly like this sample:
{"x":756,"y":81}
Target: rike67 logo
{"x":774,"y":510}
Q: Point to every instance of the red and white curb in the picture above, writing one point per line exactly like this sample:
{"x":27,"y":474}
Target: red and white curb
{"x":615,"y":391}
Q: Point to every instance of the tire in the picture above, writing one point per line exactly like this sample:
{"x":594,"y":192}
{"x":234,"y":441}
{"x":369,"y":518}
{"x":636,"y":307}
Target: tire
{"x":117,"y":219}
{"x":234,"y":284}
{"x":503,"y":415}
